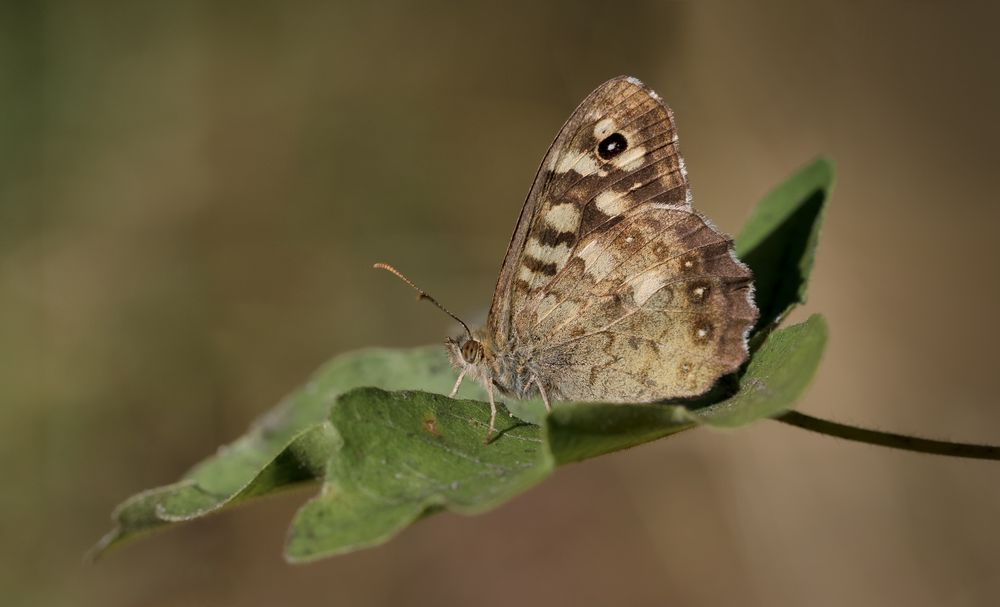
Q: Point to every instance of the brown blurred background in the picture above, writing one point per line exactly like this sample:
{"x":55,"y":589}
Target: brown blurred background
{"x":191,"y":197}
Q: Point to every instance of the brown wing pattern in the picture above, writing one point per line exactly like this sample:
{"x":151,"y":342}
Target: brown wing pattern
{"x":614,"y":288}
{"x":654,"y":309}
{"x":566,"y":202}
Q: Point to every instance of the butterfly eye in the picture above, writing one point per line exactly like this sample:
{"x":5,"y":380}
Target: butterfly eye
{"x":611,"y":146}
{"x":471,"y":351}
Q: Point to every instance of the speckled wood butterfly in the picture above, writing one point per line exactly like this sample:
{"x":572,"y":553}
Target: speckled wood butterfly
{"x":613,"y":288}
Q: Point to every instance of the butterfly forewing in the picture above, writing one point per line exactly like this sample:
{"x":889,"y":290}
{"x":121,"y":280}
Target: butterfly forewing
{"x":563,"y":203}
{"x":614,"y":288}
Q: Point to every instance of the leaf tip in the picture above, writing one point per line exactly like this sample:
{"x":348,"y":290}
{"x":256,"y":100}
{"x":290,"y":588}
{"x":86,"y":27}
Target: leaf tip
{"x":826,"y":171}
{"x":101,"y":546}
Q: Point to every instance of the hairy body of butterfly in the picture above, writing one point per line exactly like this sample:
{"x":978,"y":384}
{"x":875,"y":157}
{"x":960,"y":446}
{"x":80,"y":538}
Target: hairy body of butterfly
{"x":510,"y":371}
{"x":613,"y":288}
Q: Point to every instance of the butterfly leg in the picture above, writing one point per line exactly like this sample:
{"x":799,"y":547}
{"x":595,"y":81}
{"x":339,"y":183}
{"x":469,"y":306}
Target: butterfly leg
{"x":545,"y":397}
{"x":493,"y":414}
{"x":458,"y":383}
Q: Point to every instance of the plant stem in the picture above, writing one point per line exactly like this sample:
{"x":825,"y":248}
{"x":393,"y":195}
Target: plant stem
{"x":889,"y":439}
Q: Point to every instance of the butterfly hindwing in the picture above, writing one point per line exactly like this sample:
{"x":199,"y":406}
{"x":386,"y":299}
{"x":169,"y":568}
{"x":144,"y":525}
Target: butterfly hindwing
{"x":666,"y":319}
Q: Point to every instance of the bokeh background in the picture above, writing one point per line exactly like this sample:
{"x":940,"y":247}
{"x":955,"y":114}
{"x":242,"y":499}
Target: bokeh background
{"x":191,"y":196}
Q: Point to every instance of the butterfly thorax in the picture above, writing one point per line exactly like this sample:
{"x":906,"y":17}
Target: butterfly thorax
{"x":508,"y":370}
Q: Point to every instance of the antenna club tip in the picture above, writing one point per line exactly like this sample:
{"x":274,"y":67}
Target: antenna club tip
{"x":388,"y":268}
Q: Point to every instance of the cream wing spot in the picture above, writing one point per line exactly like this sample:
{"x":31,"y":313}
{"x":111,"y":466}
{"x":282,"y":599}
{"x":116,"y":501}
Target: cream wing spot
{"x":645,"y":287}
{"x":581,"y":164}
{"x":604,"y":127}
{"x":632,"y":159}
{"x":595,"y":263}
{"x":611,"y":203}
{"x":563,"y":217}
{"x":546,"y":254}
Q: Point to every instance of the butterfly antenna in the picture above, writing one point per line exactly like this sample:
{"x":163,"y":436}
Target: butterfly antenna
{"x":422,"y":294}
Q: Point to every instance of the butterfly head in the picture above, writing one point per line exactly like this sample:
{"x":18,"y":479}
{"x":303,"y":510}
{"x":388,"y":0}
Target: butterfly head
{"x":465,"y":351}
{"x":472,"y":356}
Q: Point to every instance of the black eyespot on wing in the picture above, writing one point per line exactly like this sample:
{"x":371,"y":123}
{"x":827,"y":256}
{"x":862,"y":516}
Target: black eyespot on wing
{"x":611,"y":146}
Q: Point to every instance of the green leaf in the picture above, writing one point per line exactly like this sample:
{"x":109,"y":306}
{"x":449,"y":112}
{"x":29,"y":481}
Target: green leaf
{"x":779,"y":240}
{"x":219,"y":478}
{"x":135,"y":517}
{"x":405,"y":454}
{"x":408,"y":454}
{"x":397,"y":456}
{"x":579,"y":431}
{"x":777,"y":376}
{"x":287,"y":446}
{"x":303,"y":459}
{"x":374,"y":427}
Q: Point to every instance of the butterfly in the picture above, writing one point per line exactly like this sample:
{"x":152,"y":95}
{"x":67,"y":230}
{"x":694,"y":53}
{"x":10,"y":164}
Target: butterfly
{"x":613,"y":288}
